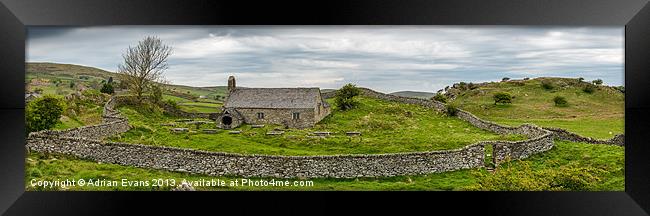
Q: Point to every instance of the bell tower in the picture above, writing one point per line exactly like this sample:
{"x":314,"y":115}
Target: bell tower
{"x":231,"y":83}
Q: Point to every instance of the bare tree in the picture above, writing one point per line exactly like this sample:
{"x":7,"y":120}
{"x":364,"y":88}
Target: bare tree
{"x":144,"y":65}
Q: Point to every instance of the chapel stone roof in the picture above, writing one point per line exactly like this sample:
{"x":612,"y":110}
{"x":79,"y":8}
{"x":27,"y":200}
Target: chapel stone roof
{"x":274,"y":98}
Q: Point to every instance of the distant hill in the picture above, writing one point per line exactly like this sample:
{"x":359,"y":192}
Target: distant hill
{"x":90,"y":76}
{"x":327,"y":90}
{"x":414,"y":94}
{"x":66,"y":70}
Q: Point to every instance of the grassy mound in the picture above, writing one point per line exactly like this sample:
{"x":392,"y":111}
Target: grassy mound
{"x":599,"y":114}
{"x":386,"y":127}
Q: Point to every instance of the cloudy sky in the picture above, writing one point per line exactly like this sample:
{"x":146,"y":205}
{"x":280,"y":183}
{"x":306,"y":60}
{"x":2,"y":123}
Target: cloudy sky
{"x":385,"y":58}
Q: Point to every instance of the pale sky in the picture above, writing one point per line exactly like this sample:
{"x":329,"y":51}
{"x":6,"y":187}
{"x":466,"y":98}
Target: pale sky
{"x":385,"y":58}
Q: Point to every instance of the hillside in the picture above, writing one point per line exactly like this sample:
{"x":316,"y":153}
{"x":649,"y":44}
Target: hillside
{"x":66,"y":70}
{"x":414,"y":94}
{"x":46,"y":76}
{"x":599,"y":114}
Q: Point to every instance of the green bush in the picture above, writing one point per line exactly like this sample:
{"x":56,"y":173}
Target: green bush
{"x":502,"y":97}
{"x":440,"y":98}
{"x":43,"y":113}
{"x":548,"y":85}
{"x":589,"y":88}
{"x":156,"y":93}
{"x":344,"y":97}
{"x":451,"y":110}
{"x":560,"y":101}
{"x":107,"y":88}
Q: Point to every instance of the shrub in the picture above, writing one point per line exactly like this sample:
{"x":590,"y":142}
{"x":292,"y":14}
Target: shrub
{"x":156,"y":93}
{"x":107,"y":88}
{"x":526,"y":78}
{"x":560,"y":101}
{"x":451,"y":110}
{"x":589,"y":88}
{"x":597,"y":82}
{"x":344,"y":97}
{"x":548,"y":85}
{"x":43,"y":113}
{"x":580,"y":79}
{"x":505,"y":79}
{"x":440,"y":98}
{"x":502,"y":97}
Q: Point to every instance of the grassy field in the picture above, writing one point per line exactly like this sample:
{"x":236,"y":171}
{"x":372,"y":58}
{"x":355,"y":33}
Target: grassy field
{"x":599,"y":114}
{"x":607,"y":174}
{"x":385,"y":126}
{"x":200,"y":107}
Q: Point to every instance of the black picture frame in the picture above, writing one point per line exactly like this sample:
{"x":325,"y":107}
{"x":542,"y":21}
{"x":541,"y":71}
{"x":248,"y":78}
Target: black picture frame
{"x":633,"y":14}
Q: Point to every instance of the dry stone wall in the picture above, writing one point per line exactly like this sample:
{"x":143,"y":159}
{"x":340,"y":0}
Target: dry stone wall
{"x":216,"y":163}
{"x":562,"y":134}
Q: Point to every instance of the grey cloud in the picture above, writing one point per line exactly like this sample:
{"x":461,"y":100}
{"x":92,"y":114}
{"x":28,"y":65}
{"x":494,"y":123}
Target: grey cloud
{"x":387,"y":58}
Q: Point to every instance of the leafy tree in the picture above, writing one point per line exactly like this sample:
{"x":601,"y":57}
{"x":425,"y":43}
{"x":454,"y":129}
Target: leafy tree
{"x":107,"y":88}
{"x":580,"y":79}
{"x":43,"y":113}
{"x":560,"y":101}
{"x":526,"y":78}
{"x":589,"y":88}
{"x":110,"y":79}
{"x":144,"y":64}
{"x":440,"y":98}
{"x":344,"y":97}
{"x":505,"y":79}
{"x":502,"y":97}
{"x":597,"y":82}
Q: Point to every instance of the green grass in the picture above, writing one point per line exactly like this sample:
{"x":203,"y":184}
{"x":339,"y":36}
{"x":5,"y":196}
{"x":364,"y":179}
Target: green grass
{"x":386,"y":127}
{"x":200,"y":107}
{"x":89,"y":113}
{"x":608,"y":158}
{"x":174,"y":98}
{"x":594,"y":115}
